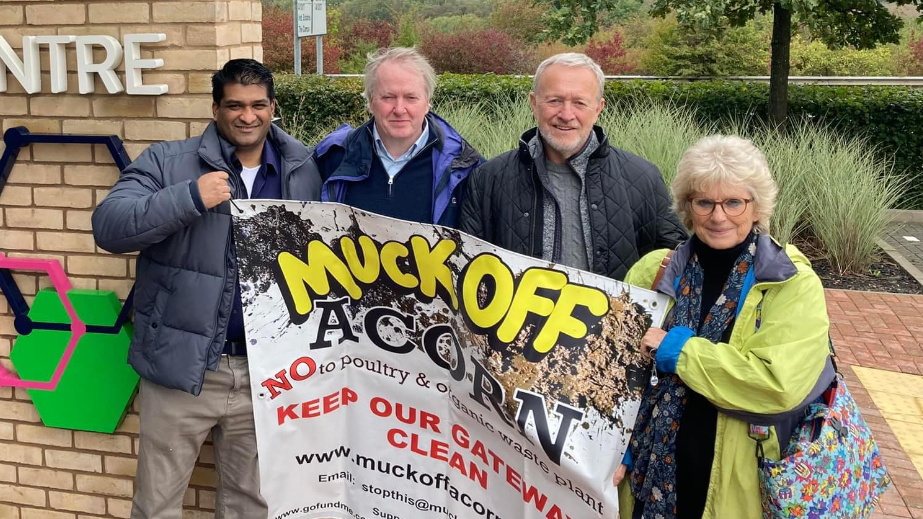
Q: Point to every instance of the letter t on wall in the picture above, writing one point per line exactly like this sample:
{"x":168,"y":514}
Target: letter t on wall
{"x":86,"y":68}
{"x":134,"y":64}
{"x":58,"y":60}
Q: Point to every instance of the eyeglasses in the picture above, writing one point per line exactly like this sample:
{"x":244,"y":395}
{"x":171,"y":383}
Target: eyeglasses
{"x":731,"y":206}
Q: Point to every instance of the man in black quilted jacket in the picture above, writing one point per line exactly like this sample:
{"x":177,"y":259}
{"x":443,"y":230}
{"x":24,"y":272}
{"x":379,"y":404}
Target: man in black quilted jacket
{"x":566,"y":195}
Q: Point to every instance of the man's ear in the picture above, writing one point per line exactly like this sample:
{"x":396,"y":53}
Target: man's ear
{"x":215,"y":111}
{"x":272,"y":108}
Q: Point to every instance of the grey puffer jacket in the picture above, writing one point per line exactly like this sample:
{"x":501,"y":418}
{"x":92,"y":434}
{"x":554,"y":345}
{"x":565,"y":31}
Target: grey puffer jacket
{"x":187,"y":267}
{"x":629,"y":207}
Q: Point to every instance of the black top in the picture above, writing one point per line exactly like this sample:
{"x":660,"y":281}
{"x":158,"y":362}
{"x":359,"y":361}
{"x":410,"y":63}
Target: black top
{"x":628,"y":205}
{"x":695,"y":442}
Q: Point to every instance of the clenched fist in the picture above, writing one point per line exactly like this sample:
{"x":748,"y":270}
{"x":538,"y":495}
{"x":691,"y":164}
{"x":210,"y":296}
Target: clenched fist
{"x":214,"y":188}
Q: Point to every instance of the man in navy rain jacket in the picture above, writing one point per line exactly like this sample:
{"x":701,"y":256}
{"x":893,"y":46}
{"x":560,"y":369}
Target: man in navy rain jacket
{"x":405,"y":162}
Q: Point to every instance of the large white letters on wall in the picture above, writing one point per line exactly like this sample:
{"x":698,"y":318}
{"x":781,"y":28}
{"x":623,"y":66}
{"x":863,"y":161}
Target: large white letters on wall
{"x":27,"y":70}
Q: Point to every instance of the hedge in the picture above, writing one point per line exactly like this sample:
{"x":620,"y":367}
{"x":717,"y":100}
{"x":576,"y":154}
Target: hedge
{"x":890,"y":117}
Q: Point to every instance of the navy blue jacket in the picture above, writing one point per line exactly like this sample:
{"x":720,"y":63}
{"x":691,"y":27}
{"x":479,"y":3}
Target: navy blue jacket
{"x":346,"y":155}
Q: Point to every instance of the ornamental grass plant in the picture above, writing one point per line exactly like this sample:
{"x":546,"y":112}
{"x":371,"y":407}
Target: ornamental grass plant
{"x":658,"y":132}
{"x":846,"y":188}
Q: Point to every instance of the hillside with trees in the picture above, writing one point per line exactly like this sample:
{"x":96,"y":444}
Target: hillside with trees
{"x":626,"y":38}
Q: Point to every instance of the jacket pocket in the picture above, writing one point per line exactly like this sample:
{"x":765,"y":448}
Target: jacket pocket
{"x":154,"y":324}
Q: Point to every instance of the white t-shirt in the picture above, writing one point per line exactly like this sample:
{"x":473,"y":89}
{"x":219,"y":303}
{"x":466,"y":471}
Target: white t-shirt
{"x":249,"y":176}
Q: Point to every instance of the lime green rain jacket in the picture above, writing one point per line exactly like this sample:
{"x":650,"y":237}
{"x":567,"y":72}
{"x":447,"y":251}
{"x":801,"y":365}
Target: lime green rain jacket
{"x":765,"y":371}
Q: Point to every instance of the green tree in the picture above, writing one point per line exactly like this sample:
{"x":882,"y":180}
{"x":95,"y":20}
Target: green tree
{"x":860,"y":23}
{"x":575,"y":21}
{"x":622,"y":11}
{"x":407,"y":33}
{"x":521,"y":19}
{"x":677,"y":50}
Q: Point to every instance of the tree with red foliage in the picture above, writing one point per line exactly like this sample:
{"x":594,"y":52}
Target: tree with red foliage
{"x":475,"y":52}
{"x":912,"y":61}
{"x":279,"y":45}
{"x":610,"y":54}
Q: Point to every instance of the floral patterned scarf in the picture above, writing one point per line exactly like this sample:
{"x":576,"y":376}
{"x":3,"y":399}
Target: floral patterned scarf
{"x":653,"y":444}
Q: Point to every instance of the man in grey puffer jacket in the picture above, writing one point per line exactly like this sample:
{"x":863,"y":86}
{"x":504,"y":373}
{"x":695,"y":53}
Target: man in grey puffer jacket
{"x":172,"y":205}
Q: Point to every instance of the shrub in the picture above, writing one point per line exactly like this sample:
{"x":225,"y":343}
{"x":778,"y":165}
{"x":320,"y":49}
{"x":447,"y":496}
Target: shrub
{"x":361,"y":34}
{"x":545,"y":50}
{"x":610,"y":53}
{"x":675,"y":50}
{"x":355,"y":63}
{"x":279,"y":45}
{"x":455,"y":23}
{"x":475,"y":52}
{"x":278,"y":48}
{"x":408,"y":34}
{"x":521,"y":19}
{"x":813,"y":58}
{"x":310,"y":104}
{"x":911,"y":60}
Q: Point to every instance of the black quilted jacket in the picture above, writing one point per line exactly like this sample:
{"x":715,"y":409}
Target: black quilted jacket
{"x":629,"y":206}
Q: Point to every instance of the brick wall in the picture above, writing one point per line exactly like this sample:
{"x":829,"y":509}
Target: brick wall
{"x":45,"y":212}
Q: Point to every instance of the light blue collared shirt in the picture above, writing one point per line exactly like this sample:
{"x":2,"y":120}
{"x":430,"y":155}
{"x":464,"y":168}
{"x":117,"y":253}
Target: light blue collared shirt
{"x":394,"y":165}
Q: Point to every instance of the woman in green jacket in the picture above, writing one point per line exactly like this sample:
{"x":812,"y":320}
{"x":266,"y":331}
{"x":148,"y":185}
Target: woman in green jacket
{"x":745,"y":342}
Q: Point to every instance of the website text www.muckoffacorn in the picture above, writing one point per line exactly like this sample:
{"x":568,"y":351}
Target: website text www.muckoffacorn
{"x":403,"y":472}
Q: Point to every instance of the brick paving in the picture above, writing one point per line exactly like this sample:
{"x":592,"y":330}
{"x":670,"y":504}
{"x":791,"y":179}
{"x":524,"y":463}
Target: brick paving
{"x":882,"y":331}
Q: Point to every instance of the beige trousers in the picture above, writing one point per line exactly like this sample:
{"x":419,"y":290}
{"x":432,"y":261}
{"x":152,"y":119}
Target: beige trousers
{"x":174,"y":424}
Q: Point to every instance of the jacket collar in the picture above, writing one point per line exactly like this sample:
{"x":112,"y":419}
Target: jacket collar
{"x":770,"y":264}
{"x":358,"y":144}
{"x":288,"y":152}
{"x":525,"y":153}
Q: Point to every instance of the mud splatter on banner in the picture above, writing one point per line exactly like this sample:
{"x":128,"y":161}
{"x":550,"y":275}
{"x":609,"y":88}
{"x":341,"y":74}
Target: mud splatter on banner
{"x":410,"y":371}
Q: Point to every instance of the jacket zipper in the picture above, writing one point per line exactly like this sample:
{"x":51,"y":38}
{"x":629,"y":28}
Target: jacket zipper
{"x":532,"y":214}
{"x":227,"y":246}
{"x":592,"y":258}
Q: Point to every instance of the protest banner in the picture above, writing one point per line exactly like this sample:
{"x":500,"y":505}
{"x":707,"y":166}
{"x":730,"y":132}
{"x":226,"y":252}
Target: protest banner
{"x":403,"y":370}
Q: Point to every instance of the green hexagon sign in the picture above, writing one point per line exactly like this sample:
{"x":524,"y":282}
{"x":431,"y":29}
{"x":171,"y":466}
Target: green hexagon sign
{"x":94,"y":391}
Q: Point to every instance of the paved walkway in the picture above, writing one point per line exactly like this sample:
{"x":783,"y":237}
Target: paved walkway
{"x":879,"y":342}
{"x":904,"y":242}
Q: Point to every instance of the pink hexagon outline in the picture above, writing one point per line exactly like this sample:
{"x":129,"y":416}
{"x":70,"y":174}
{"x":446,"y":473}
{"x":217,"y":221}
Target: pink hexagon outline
{"x":61,"y":285}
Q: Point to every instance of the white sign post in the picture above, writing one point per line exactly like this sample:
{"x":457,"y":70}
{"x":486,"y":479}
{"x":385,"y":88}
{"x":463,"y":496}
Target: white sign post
{"x":310,"y":20}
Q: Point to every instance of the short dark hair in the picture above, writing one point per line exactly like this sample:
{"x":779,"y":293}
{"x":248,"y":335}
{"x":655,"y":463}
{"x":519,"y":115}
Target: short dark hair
{"x":242,"y":72}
